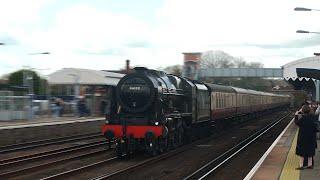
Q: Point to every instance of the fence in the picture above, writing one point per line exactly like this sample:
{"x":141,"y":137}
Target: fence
{"x":14,"y":107}
{"x":19,"y":107}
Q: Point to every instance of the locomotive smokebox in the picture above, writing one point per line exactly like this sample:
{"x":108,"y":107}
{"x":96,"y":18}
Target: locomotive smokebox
{"x":136,"y":91}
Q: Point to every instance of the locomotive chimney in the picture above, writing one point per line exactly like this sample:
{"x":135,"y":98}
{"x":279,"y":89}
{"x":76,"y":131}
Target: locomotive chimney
{"x":127,"y":66}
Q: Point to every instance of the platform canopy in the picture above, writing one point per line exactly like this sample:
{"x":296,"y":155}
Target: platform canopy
{"x":290,"y":70}
{"x":73,"y":76}
{"x":308,"y":73}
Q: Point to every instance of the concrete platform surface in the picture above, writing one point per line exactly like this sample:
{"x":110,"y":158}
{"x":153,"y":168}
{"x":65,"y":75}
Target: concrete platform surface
{"x":280,"y":161}
{"x":44,"y":121}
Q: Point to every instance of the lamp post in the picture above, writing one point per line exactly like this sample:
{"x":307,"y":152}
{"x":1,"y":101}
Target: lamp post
{"x":316,"y":81}
{"x":76,"y":91}
{"x":76,"y":84}
{"x":305,"y":9}
{"x":40,"y":53}
{"x":30,"y":83}
{"x":306,"y":32}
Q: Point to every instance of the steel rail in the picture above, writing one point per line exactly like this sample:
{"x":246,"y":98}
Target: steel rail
{"x":74,"y":171}
{"x":214,"y":164}
{"x":47,"y":154}
{"x":149,"y":161}
{"x":44,"y":165}
{"x":34,"y":144}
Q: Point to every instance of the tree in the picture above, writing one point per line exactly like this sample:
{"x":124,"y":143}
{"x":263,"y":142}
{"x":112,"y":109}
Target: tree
{"x":216,"y":59}
{"x":220,"y":59}
{"x":175,"y":70}
{"x":27,"y":78}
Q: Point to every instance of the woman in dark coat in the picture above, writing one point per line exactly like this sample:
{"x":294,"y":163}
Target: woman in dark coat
{"x":306,"y":143}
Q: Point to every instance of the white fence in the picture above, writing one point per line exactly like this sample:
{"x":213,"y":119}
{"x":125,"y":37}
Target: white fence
{"x":14,"y":107}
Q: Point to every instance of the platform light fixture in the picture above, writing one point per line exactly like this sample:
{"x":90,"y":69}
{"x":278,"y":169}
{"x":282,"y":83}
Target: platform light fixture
{"x":305,"y":9}
{"x":303,"y":31}
{"x":45,"y":53}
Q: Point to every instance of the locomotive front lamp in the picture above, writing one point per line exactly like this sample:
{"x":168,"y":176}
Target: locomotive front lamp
{"x":156,"y":123}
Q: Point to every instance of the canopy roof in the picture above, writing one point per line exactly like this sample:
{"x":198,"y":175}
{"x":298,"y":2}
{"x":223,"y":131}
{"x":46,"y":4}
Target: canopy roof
{"x":308,"y":73}
{"x":84,"y":77}
{"x":290,"y":70}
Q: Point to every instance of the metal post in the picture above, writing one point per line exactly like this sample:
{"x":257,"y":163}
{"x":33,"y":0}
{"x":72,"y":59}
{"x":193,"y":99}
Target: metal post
{"x":30,"y":84}
{"x":317,"y":84}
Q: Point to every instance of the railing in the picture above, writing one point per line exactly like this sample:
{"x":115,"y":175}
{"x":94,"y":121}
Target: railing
{"x":14,"y":107}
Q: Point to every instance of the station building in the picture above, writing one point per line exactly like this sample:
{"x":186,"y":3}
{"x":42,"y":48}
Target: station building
{"x":93,"y":85}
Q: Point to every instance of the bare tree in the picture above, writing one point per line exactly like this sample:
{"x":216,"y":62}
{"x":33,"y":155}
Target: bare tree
{"x":216,"y":59}
{"x":255,"y":65}
{"x":175,"y":70}
{"x":240,"y":62}
{"x":220,"y":59}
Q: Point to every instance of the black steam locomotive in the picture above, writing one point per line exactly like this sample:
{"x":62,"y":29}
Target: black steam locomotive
{"x":155,"y":111}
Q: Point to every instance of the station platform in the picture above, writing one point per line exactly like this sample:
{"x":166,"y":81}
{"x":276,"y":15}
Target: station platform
{"x":45,"y":121}
{"x":280,"y":160}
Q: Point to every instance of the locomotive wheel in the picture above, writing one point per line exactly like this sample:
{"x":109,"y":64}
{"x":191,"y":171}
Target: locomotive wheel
{"x":187,"y":134}
{"x":173,"y":140}
{"x":179,"y":138}
{"x":121,"y":149}
{"x":109,"y":142}
{"x":131,"y":147}
{"x":163,"y":144}
{"x":153,"y":147}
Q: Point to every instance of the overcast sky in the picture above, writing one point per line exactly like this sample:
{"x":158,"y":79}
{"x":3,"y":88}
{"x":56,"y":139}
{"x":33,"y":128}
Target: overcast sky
{"x":102,"y":34}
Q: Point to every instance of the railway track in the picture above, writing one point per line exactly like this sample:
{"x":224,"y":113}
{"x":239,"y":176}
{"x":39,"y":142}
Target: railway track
{"x":210,"y":167}
{"x":126,"y":171}
{"x":144,"y":165}
{"x":32,"y":157}
{"x":120,"y":171}
{"x":140,"y":164}
{"x":26,"y":164}
{"x":80,"y":169}
{"x":50,"y":157}
{"x":134,"y":168}
{"x":46,"y":142}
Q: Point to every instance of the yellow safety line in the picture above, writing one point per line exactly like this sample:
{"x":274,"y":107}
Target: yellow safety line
{"x":289,"y":171}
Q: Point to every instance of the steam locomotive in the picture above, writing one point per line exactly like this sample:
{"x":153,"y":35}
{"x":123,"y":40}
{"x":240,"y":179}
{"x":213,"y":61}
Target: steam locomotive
{"x":154,"y":111}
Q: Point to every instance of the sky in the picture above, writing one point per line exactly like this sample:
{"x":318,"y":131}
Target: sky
{"x":102,"y":34}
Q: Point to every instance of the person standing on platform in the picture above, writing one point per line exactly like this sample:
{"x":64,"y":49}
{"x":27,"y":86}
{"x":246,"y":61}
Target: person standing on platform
{"x":103,"y":107}
{"x":54,"y":108}
{"x":82,"y":108}
{"x":306,"y":142}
